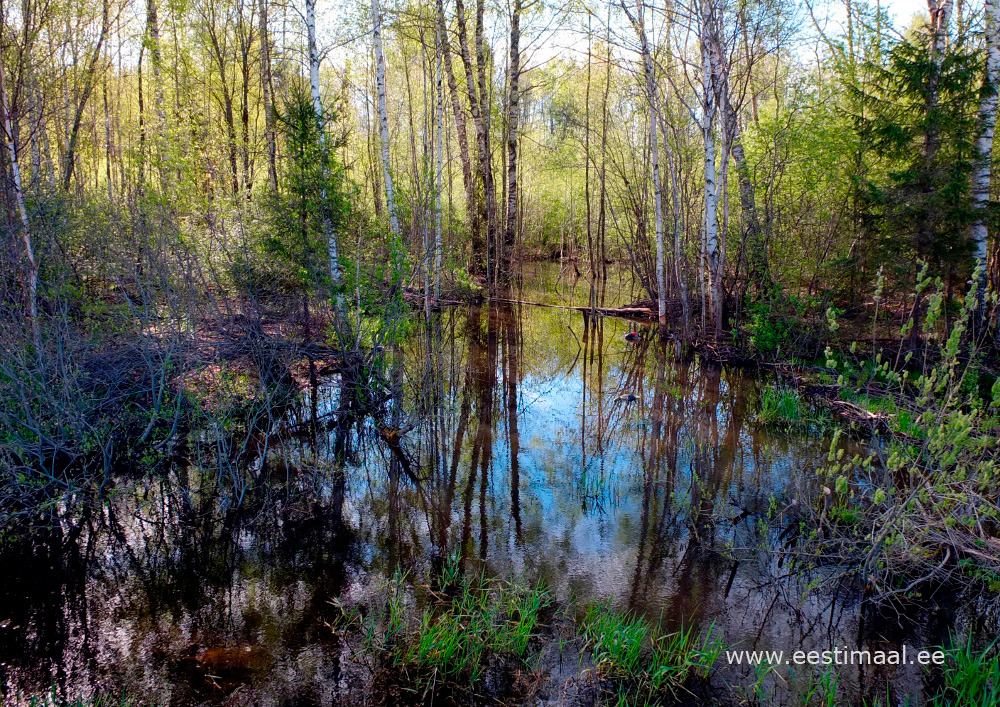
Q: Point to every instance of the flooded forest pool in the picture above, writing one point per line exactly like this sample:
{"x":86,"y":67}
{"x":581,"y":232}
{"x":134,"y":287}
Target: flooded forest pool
{"x":540,"y":446}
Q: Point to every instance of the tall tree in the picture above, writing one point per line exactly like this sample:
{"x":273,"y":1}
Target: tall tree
{"x":383,"y":117}
{"x":651,"y":95}
{"x":984,"y":147}
{"x":30,"y":265}
{"x":513,"y":115}
{"x":333,"y":256}
{"x":265,"y":82}
{"x":709,"y":109}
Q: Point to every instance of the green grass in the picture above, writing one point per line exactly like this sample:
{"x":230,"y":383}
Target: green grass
{"x":642,"y":663}
{"x":971,"y":677}
{"x":469,"y":626}
{"x":781,"y":405}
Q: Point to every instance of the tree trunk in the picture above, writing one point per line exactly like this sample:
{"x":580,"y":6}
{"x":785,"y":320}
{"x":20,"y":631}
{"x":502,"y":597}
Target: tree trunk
{"x":438,"y":154}
{"x":647,"y":63}
{"x":479,"y":245}
{"x":759,"y":271}
{"x":153,"y":38}
{"x":984,"y":150}
{"x":88,"y":86}
{"x":486,"y":165}
{"x":463,"y":140}
{"x":31,"y":266}
{"x":265,"y":80}
{"x":383,"y":118}
{"x":331,"y":234}
{"x":514,"y":74}
{"x":711,"y":188}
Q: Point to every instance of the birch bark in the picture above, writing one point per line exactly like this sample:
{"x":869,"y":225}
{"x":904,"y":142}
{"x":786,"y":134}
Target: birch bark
{"x":31,"y":268}
{"x":711,"y":188}
{"x":439,"y":150}
{"x":647,"y":63}
{"x":331,"y":234}
{"x":383,"y":118}
{"x":984,"y":146}
{"x":510,"y":232}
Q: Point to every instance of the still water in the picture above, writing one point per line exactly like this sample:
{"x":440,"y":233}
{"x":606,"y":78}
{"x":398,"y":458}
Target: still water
{"x":537,"y":443}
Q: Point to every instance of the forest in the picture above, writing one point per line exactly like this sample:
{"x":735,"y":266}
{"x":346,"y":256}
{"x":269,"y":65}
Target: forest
{"x":515,"y":352}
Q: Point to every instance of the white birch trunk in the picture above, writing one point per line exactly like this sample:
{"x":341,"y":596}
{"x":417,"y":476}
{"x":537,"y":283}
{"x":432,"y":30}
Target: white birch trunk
{"x":439,"y":150}
{"x":711,"y":188}
{"x":984,"y":143}
{"x":647,"y":63}
{"x":31,"y":270}
{"x":331,"y":235}
{"x":383,"y":118}
{"x":513,"y":121}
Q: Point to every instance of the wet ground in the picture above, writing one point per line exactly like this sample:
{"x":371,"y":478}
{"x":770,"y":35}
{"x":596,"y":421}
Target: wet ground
{"x":538,"y":444}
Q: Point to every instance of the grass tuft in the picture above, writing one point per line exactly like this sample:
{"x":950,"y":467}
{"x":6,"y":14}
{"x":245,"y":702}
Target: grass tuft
{"x":642,"y":663}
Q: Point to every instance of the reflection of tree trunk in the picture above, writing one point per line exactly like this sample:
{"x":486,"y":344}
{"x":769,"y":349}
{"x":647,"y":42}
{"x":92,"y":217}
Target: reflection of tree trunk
{"x":482,"y":367}
{"x":485,"y":411}
{"x":512,"y":379}
{"x":650,"y":465}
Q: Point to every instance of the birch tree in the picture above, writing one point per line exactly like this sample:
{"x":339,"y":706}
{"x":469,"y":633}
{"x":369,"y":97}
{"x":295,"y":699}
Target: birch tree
{"x":514,"y":74}
{"x":439,"y":177}
{"x":984,"y":147}
{"x":317,"y":101}
{"x":651,"y":93}
{"x":711,"y":188}
{"x":30,"y":266}
{"x":383,"y":118}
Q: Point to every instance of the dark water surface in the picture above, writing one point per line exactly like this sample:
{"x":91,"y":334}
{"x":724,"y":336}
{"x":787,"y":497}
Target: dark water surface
{"x":527,"y":456}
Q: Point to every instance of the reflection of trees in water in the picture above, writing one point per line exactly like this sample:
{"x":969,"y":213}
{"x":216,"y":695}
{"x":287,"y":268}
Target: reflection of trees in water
{"x":676,"y":453}
{"x":150,"y":589}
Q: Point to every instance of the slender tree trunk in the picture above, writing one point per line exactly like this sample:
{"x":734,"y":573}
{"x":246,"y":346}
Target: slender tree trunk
{"x":30,"y":266}
{"x":331,"y":234}
{"x":513,"y":115}
{"x":984,"y":149}
{"x":265,"y":80}
{"x":586,"y":168}
{"x":90,"y":77}
{"x":651,"y":92}
{"x":479,"y":243}
{"x":759,"y":271}
{"x":711,"y":188}
{"x":486,"y":165}
{"x":383,"y":118}
{"x":438,"y":154}
{"x":679,"y":275}
{"x":155,"y":58}
{"x":468,"y":180}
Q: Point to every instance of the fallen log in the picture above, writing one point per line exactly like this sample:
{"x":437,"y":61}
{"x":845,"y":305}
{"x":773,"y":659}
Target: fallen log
{"x":643,"y":313}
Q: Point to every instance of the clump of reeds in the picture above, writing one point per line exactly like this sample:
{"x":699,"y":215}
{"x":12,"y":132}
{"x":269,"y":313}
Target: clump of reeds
{"x":639,"y":663}
{"x":470,"y":631}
